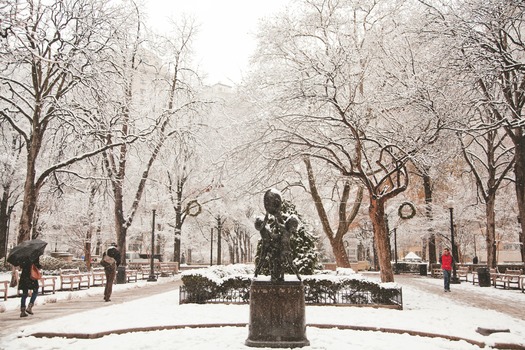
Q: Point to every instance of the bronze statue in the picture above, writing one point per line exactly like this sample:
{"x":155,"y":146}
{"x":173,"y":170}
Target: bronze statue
{"x":275,"y":234}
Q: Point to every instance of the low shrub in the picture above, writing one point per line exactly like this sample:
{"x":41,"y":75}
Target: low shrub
{"x":50,"y":265}
{"x":232,"y":284}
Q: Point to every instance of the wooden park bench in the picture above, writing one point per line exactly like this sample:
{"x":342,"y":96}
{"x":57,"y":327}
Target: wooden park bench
{"x":462,"y":272}
{"x":4,"y":288}
{"x":47,"y":281}
{"x":44,"y":283}
{"x":168,"y":269}
{"x":506,"y":279}
{"x":142,"y":269}
{"x":73,"y":278}
{"x":99,"y":276}
{"x":131,"y":275}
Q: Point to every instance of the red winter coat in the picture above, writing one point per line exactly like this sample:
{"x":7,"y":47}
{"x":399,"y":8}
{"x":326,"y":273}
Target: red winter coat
{"x":446,"y":262}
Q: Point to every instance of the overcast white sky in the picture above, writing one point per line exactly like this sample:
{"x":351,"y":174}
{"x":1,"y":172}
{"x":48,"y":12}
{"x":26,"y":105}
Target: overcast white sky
{"x":227,"y":27}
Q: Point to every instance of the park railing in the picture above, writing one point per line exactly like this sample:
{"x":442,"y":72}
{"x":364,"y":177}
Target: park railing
{"x":218,"y":286}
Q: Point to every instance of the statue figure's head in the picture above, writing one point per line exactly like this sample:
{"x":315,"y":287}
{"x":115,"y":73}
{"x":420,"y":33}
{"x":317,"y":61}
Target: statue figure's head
{"x":273,"y":202}
{"x":259,"y":223}
{"x":291,"y":224}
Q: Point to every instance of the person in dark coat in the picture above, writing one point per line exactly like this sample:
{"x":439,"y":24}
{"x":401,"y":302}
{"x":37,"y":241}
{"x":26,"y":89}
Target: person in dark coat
{"x":26,"y":284}
{"x":110,"y":270}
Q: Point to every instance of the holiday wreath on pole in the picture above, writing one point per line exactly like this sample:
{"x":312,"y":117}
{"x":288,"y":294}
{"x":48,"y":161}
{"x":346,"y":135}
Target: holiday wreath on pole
{"x":193,"y":208}
{"x":406,"y":210}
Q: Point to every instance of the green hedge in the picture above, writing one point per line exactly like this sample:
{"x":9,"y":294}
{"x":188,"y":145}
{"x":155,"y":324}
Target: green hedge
{"x":323,"y":289}
{"x":227,"y":285}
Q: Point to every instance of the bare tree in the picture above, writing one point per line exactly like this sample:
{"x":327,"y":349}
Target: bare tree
{"x":344,"y":216}
{"x":11,"y":149}
{"x":171,"y":87}
{"x":487,"y":42}
{"x":50,"y":51}
{"x":330,"y":103}
{"x":490,"y":157}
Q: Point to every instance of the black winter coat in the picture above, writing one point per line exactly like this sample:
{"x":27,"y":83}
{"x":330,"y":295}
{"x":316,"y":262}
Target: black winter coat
{"x":25,"y":281}
{"x":115,"y":254}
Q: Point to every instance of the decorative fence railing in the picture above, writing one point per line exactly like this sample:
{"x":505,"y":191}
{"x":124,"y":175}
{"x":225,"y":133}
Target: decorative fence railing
{"x":388,"y":298}
{"x":350,"y":297}
{"x":230,"y":296}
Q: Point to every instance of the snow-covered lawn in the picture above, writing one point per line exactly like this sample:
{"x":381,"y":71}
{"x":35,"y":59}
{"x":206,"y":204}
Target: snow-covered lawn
{"x":423,"y":312}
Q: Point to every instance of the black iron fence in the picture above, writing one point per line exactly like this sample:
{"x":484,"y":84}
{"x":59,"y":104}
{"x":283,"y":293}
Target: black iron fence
{"x":349,"y":297}
{"x":230,"y":296}
{"x":391,"y":298}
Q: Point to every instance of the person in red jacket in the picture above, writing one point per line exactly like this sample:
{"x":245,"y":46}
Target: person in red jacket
{"x":446,"y":266}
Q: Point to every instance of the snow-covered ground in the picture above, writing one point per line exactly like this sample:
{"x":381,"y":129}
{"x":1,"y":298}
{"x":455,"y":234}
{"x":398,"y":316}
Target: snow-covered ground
{"x":423,"y":312}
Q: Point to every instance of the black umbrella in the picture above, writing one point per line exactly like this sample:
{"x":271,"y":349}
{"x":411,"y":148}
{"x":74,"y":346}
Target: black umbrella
{"x":26,"y":252}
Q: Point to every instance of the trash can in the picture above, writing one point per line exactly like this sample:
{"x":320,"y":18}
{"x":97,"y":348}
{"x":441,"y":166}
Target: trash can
{"x":121,"y":275}
{"x":483,"y":276}
{"x":423,"y":269}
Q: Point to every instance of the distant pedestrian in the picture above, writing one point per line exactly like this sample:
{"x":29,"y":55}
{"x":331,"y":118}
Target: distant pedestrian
{"x":27,"y":284}
{"x":446,"y":266}
{"x":110,"y":261}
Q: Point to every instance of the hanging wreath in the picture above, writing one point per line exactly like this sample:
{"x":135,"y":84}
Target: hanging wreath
{"x":406,"y":210}
{"x":193,"y":208}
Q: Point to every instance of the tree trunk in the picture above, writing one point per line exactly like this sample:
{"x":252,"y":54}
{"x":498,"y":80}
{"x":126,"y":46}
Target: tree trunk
{"x":491,"y":231}
{"x":28,"y":211}
{"x":338,"y":248}
{"x":30,"y":195}
{"x":519,"y":171}
{"x":178,"y":221}
{"x":344,"y":219}
{"x":377,"y":216}
{"x":4,"y":221}
{"x":91,"y":221}
{"x":120,"y":227}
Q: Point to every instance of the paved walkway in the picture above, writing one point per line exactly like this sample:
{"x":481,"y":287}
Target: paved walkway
{"x":468,"y":296}
{"x":10,"y":320}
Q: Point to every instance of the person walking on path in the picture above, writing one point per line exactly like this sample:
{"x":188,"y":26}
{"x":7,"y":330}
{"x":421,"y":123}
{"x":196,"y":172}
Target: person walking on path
{"x":26,"y":284}
{"x":446,"y":266}
{"x":110,"y":261}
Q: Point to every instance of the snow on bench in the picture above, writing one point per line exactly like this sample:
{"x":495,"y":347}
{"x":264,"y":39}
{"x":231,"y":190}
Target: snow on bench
{"x":99,"y":276}
{"x":4,"y":288}
{"x":506,"y":279}
{"x":73,"y":278}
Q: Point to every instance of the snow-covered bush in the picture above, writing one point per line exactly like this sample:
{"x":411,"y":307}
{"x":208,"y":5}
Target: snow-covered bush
{"x":343,"y":287}
{"x":50,"y":265}
{"x":349,"y":288}
{"x":216,"y":281}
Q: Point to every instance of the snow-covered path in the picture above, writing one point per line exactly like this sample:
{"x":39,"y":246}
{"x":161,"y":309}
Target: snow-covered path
{"x":426,"y":309}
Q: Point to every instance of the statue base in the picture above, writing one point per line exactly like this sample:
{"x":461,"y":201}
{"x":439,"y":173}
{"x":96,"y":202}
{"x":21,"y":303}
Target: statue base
{"x":277,"y":315}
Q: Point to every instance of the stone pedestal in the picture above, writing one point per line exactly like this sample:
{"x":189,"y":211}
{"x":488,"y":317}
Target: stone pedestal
{"x":277,"y":315}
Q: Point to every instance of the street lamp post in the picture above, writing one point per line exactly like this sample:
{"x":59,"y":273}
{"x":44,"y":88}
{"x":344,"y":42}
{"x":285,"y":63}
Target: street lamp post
{"x":152,"y":277}
{"x":220,"y":222}
{"x":454,"y":279}
{"x":211,"y":247}
{"x":176,"y":245}
{"x":395,"y":245}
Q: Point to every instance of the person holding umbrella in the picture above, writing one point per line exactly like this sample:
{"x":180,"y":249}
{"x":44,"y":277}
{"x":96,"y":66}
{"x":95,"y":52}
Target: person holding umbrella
{"x":27,"y":283}
{"x":25,"y":255}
